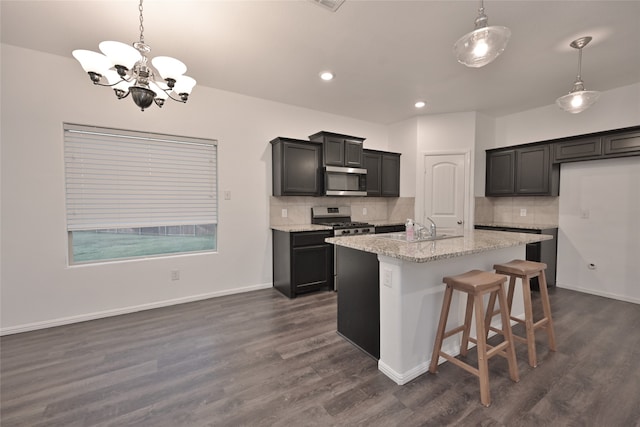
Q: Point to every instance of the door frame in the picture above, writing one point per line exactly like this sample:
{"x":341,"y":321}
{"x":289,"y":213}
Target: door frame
{"x":468,"y":208}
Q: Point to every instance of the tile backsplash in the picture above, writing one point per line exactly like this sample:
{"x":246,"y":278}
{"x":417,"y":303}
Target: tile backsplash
{"x":537,"y":210}
{"x":298,"y":209}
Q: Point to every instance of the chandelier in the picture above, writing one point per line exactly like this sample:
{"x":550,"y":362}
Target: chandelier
{"x":127,"y":70}
{"x":482,"y":45}
{"x":578,"y":99}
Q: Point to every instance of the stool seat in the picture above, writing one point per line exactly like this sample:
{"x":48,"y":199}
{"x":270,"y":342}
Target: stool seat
{"x":526,"y":270}
{"x":520,"y":267}
{"x":475,"y":281}
{"x":476,"y":284}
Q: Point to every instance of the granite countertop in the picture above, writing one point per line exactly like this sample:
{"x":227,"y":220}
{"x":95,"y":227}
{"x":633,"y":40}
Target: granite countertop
{"x":473,"y":241}
{"x":292,"y":228}
{"x":514,"y":225}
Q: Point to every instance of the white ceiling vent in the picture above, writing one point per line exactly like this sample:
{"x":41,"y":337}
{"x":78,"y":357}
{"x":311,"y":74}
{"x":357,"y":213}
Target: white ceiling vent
{"x":331,"y":5}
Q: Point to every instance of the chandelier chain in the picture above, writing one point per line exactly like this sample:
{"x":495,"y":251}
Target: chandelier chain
{"x":141,"y":24}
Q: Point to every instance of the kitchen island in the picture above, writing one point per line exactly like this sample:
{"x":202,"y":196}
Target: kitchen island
{"x":409,"y":290}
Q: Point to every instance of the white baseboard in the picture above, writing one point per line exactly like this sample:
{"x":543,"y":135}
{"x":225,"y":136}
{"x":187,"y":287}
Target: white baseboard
{"x":125,"y":310}
{"x":452,"y":349}
{"x":625,"y":298}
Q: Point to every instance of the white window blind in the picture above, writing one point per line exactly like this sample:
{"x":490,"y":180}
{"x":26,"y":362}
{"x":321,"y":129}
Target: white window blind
{"x":126,"y":179}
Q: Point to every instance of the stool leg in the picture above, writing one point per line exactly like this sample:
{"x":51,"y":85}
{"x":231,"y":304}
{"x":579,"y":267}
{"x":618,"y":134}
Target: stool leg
{"x":483,"y":366}
{"x":490,"y":312}
{"x":442,"y":324}
{"x":512,"y":287}
{"x":508,"y":335}
{"x":546,"y":308}
{"x":464,"y":344}
{"x":528,"y":321}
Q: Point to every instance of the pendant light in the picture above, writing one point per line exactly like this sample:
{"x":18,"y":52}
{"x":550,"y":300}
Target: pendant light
{"x":482,"y":45}
{"x":127,"y":70}
{"x":578,"y":99}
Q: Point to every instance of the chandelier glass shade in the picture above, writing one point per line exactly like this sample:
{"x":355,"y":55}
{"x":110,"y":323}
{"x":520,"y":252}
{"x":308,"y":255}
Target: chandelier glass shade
{"x":127,"y":70}
{"x":578,"y":99}
{"x":482,"y":45}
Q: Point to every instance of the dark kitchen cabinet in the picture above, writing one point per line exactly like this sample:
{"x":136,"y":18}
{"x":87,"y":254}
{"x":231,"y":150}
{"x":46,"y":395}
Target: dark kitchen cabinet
{"x":622,"y":144}
{"x":524,"y":171}
{"x":602,"y":145}
{"x":340,"y":150}
{"x":357,"y":277}
{"x":501,"y":176}
{"x":302,"y":262}
{"x":545,"y":251}
{"x":580,"y":149}
{"x":391,"y":228}
{"x":296,"y":167}
{"x":383,"y":173}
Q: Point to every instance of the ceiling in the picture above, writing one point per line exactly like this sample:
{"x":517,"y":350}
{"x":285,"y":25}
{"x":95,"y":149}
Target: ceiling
{"x":385,"y":54}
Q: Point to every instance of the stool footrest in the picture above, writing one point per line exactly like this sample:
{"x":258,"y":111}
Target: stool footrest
{"x":461,"y":364}
{"x":453,"y":331}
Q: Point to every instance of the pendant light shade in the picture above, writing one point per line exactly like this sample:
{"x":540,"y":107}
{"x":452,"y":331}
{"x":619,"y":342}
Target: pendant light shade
{"x":578,"y":99}
{"x":482,"y":45}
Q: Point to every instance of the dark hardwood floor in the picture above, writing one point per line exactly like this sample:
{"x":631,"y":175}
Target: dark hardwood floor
{"x":260,"y":359}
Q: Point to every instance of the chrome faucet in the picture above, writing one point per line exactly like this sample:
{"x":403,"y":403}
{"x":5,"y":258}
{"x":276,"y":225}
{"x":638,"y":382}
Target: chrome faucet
{"x":432,"y":227}
{"x":419,"y":229}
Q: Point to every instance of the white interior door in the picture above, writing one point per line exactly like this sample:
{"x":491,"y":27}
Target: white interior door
{"x":444,"y":188}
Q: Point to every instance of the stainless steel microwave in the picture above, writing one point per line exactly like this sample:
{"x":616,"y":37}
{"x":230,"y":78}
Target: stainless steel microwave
{"x":343,"y":181}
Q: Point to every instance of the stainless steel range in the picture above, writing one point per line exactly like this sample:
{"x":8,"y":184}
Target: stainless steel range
{"x":339,"y":218}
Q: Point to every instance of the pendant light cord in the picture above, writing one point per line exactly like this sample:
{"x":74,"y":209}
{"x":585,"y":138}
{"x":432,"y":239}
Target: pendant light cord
{"x":580,"y":64}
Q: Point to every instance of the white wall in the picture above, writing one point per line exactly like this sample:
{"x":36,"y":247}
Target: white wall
{"x":446,"y":133}
{"x":38,"y":288}
{"x":599,"y":224}
{"x":403,"y":138}
{"x":616,"y":108}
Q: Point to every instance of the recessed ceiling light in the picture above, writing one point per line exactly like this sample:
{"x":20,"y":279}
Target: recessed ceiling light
{"x":420,"y":104}
{"x":326,"y":75}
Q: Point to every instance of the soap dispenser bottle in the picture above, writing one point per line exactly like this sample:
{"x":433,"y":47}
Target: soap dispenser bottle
{"x":409,"y":228}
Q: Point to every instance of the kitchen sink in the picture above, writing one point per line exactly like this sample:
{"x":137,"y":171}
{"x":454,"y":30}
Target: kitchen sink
{"x":402,"y":237}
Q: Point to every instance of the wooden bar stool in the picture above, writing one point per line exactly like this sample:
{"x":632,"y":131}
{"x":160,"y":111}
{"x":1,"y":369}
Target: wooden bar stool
{"x":476,"y":284}
{"x":525,"y":271}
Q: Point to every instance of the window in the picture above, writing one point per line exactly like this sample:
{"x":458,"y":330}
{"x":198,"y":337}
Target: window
{"x":134,"y":194}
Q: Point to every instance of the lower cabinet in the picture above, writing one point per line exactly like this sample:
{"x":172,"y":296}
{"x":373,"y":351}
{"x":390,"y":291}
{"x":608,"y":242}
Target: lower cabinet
{"x":357,"y":276}
{"x":393,"y":228}
{"x":545,"y":251}
{"x":302,"y":262}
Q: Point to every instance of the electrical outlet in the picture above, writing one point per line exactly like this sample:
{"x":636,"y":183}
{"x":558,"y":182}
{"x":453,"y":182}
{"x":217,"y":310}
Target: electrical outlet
{"x":284,"y":213}
{"x":523,"y":212}
{"x":175,"y":274}
{"x":227,"y":195}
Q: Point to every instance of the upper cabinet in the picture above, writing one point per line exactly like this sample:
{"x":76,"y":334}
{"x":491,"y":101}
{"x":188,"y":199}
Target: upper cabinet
{"x":534,"y":169}
{"x":383,"y":173}
{"x":622,"y":144}
{"x":580,"y":149}
{"x":522,"y":171}
{"x":296,"y":167}
{"x":340,"y":150}
{"x":618,"y":143}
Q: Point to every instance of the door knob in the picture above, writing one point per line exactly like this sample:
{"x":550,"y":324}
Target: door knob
{"x":459,"y":222}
